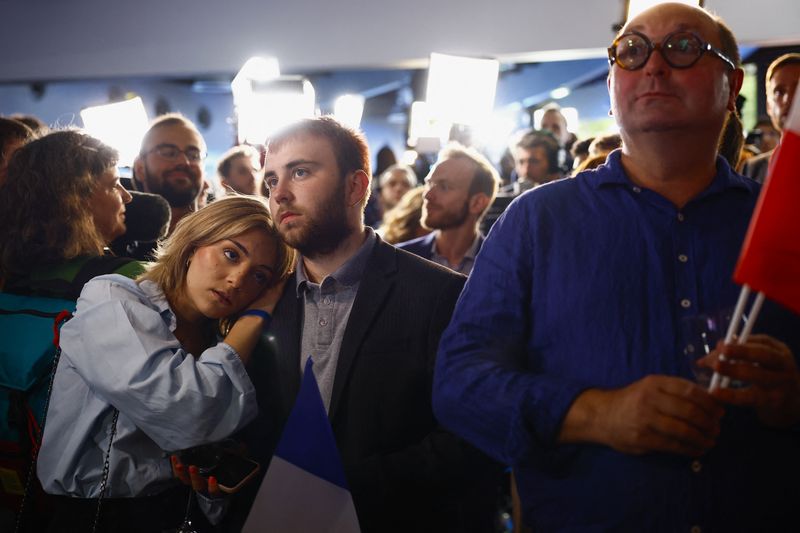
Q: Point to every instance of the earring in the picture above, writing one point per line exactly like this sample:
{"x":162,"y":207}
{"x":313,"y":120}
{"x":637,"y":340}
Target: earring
{"x":610,"y":113}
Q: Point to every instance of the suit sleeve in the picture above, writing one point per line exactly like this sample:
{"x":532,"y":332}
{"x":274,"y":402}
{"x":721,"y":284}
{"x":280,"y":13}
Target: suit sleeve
{"x":440,"y":462}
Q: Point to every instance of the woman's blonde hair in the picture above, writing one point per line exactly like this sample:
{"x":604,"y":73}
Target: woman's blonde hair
{"x":403,"y":221}
{"x":223,"y":219}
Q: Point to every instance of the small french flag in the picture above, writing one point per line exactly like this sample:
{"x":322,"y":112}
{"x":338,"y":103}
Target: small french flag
{"x":305,"y":489}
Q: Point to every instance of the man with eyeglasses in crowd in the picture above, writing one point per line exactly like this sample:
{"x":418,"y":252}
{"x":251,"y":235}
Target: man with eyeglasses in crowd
{"x":567,"y":355}
{"x":170,"y":164}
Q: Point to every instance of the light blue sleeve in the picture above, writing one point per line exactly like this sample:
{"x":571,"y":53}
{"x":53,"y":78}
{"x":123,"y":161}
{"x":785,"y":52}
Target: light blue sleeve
{"x":122,"y":347}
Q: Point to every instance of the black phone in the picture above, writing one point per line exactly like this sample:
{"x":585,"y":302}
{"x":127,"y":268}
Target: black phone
{"x":231,"y":469}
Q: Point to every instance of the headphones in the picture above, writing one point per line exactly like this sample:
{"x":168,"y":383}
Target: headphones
{"x":546,"y":140}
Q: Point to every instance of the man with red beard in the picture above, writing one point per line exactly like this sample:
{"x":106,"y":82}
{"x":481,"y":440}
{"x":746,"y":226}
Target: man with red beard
{"x":370,"y":316}
{"x":170,"y":164}
{"x":458,"y":191}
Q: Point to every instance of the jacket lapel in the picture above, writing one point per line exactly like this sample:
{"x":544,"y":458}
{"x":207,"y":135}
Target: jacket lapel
{"x":376,"y":284}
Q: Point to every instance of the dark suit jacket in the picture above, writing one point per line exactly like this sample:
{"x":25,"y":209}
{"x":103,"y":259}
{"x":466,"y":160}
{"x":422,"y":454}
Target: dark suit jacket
{"x":423,"y":246}
{"x":404,"y":471}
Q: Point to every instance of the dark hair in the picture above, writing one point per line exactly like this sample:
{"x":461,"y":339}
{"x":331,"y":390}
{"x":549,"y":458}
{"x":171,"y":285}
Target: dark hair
{"x":581,"y":147}
{"x":732,"y":139}
{"x":12,"y":130}
{"x":44,"y":208}
{"x":542,"y":139}
{"x":349,"y":146}
{"x":36,"y":124}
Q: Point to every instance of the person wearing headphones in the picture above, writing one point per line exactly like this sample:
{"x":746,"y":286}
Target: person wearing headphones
{"x":535,"y":161}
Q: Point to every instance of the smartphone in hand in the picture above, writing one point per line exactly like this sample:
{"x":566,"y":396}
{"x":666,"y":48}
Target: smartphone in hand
{"x":231,"y":469}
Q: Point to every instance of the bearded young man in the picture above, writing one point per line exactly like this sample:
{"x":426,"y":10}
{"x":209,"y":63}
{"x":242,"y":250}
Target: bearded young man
{"x":458,"y":192}
{"x":370,"y":316}
{"x":170,"y":164}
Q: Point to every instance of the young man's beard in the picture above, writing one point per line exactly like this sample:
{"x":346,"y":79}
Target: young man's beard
{"x":174,"y":197}
{"x":447,"y":220}
{"x":326,"y":230}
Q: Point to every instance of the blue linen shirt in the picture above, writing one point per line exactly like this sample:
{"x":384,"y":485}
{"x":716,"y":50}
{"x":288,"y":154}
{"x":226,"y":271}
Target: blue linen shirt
{"x":119,"y":350}
{"x":585,"y":283}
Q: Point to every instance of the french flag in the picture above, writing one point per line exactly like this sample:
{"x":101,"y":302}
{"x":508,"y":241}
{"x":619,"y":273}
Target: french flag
{"x":305,"y":489}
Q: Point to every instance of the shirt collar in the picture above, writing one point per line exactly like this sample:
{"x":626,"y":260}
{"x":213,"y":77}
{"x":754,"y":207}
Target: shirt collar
{"x":612,"y":173}
{"x":159,"y":299}
{"x":349,"y":273}
{"x":471,"y":252}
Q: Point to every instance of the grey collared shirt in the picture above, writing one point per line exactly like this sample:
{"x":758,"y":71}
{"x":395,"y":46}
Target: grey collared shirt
{"x":465,"y":267}
{"x":326,"y":309}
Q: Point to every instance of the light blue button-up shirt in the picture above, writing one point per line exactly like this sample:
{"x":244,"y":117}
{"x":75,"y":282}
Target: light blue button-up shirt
{"x":119,"y":350}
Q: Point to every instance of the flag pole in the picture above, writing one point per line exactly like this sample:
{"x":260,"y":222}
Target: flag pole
{"x":732,"y":327}
{"x":748,"y":328}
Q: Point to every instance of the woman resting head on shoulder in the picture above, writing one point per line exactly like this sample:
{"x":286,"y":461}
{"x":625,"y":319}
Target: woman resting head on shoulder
{"x":149,"y":349}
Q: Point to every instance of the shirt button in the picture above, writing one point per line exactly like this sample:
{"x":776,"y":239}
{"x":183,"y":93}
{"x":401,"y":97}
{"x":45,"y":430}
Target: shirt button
{"x":683,"y":258}
{"x":680,"y":217}
{"x":637,"y":189}
{"x":689,"y":348}
{"x":686,"y":304}
{"x":697,"y":466}
{"x":327,"y":300}
{"x":696,"y":529}
{"x":323,"y":322}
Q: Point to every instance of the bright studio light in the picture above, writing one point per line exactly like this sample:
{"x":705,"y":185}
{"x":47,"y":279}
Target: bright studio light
{"x":348,"y":109}
{"x":426,"y":132}
{"x":461,"y":89}
{"x":559,"y":93}
{"x":120,"y":125}
{"x":637,"y":6}
{"x":272,"y":105}
{"x":255,"y":69}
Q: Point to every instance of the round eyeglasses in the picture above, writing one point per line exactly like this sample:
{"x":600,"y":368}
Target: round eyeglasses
{"x":172,"y":152}
{"x":680,"y":49}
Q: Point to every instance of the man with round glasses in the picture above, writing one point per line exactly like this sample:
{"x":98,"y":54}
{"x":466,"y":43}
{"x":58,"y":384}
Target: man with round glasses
{"x":568,"y":354}
{"x":170,"y":164}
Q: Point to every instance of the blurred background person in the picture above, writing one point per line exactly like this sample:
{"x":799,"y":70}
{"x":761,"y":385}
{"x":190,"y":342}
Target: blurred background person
{"x":239,"y":170}
{"x":535,"y":161}
{"x":781,"y":83}
{"x":556,"y":123}
{"x":393,"y":183}
{"x":580,"y":151}
{"x":404,"y":221}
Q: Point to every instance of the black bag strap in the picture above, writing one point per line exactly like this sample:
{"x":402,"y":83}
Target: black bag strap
{"x":62,"y":317}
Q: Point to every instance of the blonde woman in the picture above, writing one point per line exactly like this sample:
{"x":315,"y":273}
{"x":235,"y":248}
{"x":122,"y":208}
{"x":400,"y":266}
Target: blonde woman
{"x":148,"y":349}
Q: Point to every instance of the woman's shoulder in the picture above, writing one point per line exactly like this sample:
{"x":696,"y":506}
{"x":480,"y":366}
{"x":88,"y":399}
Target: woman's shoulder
{"x":112,"y":287}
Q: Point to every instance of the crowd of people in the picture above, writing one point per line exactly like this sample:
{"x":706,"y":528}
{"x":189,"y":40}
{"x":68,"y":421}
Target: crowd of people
{"x":553,"y":345}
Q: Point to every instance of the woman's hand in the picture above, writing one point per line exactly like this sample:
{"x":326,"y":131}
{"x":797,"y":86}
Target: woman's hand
{"x":191,"y":476}
{"x":269,"y":298}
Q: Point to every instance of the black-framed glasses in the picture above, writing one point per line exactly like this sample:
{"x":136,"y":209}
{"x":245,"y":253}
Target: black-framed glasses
{"x":170,"y":151}
{"x":680,"y":49}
